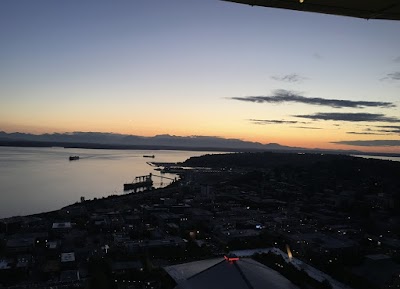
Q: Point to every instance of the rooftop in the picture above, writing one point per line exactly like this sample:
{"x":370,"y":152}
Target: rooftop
{"x":221,"y":273}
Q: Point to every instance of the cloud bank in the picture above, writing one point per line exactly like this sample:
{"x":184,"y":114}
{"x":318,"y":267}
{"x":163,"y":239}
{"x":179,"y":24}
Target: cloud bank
{"x":379,"y":130}
{"x":351,"y":117}
{"x":284,"y":96}
{"x":390,"y":128}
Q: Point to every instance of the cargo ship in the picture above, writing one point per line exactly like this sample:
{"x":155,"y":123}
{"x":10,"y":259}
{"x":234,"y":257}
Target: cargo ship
{"x":149,"y":156}
{"x":74,"y":158}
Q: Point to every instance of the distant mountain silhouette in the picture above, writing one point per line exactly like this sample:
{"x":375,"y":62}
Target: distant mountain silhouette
{"x":101,"y":140}
{"x":158,"y":140}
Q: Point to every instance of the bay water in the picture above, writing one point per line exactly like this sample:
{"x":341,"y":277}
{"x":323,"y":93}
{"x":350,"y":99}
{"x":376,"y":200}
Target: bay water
{"x":35,"y":180}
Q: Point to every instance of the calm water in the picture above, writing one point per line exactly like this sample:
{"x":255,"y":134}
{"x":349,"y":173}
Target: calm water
{"x":34,"y":180}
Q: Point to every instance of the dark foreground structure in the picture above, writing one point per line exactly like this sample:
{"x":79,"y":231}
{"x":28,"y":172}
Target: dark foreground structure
{"x":229,"y":273}
{"x":367,"y":9}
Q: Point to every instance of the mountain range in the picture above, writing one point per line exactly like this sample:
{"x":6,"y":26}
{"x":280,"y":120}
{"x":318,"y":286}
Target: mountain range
{"x":134,"y":140}
{"x":163,"y":141}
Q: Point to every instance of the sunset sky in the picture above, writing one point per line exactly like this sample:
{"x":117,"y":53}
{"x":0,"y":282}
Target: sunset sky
{"x":200,"y":67}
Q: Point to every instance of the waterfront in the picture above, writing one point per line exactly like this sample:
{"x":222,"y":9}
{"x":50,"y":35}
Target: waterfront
{"x":327,"y":216}
{"x":35,"y":180}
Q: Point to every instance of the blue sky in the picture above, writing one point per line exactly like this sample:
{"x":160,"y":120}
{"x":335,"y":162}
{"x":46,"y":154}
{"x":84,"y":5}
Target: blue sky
{"x":153,"y":67}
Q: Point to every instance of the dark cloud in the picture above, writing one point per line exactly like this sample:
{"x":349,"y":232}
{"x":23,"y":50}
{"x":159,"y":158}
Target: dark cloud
{"x":294,"y":77}
{"x":365,"y":133}
{"x":379,"y":130}
{"x":397,"y":127}
{"x":282,"y":96}
{"x":273,"y":121}
{"x":306,"y":127}
{"x":393,"y":129}
{"x":392,"y":76}
{"x":380,"y":143}
{"x":352,"y":117}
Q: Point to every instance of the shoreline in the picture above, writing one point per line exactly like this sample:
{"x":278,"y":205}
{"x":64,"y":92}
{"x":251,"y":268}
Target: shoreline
{"x":154,"y":190}
{"x":95,"y":201}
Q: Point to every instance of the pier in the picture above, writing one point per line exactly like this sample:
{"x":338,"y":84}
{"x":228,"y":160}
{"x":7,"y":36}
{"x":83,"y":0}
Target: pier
{"x":144,"y":183}
{"x":140,"y":183}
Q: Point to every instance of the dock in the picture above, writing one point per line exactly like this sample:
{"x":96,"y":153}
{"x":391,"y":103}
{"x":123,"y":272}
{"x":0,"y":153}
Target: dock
{"x":141,"y":183}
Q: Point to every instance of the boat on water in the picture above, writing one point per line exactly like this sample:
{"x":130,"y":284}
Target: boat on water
{"x":73,"y":158}
{"x":149,"y":156}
